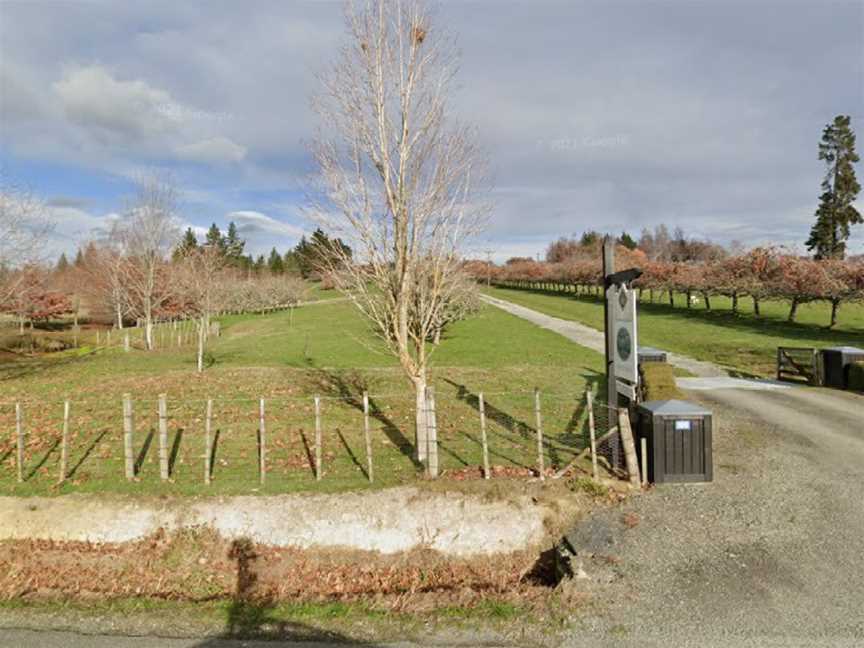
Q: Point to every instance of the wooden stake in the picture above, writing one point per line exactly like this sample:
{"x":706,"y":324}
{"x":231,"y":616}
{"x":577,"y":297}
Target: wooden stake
{"x":19,"y":436}
{"x":163,"y":436}
{"x":97,"y":337}
{"x":128,"y":425}
{"x":626,"y":434}
{"x":589,"y":397}
{"x":431,"y":434}
{"x":262,"y":457}
{"x":539,"y":423}
{"x":208,"y":442}
{"x":368,"y":436}
{"x":126,"y":342}
{"x":643,"y":442}
{"x":317,"y":438}
{"x":483,"y":439}
{"x":64,"y":443}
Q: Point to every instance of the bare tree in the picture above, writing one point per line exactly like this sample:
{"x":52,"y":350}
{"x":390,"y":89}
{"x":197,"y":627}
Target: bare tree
{"x":144,"y":237}
{"x":200,"y":281}
{"x":24,"y":227}
{"x":399,"y":178}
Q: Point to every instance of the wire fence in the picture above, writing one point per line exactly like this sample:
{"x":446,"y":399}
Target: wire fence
{"x":282,"y":444}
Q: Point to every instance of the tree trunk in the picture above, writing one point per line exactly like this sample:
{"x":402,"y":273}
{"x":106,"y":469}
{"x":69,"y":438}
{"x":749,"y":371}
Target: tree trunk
{"x":420,"y":432}
{"x":756,"y":307}
{"x":436,"y":339}
{"x":119,"y":318}
{"x":672,"y":299}
{"x":148,"y":333}
{"x":651,"y":295}
{"x":707,"y":299}
{"x":793,"y":310}
{"x":835,"y":306}
{"x":689,"y":298}
{"x":202,"y":336}
{"x":735,"y":303}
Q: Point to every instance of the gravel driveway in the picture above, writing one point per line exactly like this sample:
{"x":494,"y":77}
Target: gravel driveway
{"x":769,"y":554}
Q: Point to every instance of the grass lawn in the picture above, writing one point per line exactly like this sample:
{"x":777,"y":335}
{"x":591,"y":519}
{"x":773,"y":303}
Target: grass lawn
{"x":740,"y":342}
{"x":324,"y":349}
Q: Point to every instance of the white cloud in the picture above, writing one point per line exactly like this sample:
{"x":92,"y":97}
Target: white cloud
{"x":214,"y":150}
{"x":94,"y":99}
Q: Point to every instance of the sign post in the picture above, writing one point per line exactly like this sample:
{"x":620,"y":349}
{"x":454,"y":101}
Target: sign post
{"x":609,"y":269}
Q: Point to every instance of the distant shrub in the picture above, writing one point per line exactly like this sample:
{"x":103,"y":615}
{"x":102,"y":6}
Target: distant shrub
{"x":658,"y":382}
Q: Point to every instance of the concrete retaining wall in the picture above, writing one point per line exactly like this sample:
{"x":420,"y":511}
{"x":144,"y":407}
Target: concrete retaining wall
{"x":389,"y":521}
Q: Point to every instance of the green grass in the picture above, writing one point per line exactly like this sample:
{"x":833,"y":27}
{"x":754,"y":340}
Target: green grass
{"x":325,"y":349}
{"x":740,"y":342}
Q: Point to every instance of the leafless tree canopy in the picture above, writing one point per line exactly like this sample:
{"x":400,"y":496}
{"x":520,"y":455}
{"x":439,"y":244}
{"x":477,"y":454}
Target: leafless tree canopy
{"x":144,"y":239}
{"x":24,"y":226}
{"x":398,"y":175}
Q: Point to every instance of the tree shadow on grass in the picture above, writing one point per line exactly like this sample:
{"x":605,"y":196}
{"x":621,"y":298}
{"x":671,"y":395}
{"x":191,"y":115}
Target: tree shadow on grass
{"x":349,"y":387}
{"x":42,"y":461}
{"x":175,"y":450}
{"x":307,"y":448}
{"x":351,"y":454}
{"x":142,"y":454}
{"x":86,"y":454}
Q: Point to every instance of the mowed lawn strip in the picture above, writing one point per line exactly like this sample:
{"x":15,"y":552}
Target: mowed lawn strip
{"x":285,"y":358}
{"x":740,"y":342}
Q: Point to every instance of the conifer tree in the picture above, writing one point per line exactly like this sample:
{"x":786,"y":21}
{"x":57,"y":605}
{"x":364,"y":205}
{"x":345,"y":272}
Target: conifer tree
{"x":62,"y":263}
{"x":274,"y":263}
{"x":187,"y":245}
{"x":836,"y":212}
{"x":214,"y":238}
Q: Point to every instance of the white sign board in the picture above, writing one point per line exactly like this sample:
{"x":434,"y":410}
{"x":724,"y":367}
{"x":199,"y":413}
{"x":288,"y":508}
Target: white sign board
{"x":622,"y":300}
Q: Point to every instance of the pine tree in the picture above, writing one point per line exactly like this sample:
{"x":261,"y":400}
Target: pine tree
{"x":259,"y":265}
{"x":233,"y":244}
{"x":189,"y":243}
{"x":627,"y":241}
{"x":290,"y":263}
{"x":274,"y":263}
{"x":62,"y":263}
{"x":79,"y":259}
{"x":214,"y":238}
{"x":836,"y":213}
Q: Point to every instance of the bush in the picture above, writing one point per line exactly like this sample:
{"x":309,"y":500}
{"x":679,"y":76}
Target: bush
{"x":855,"y":377}
{"x":658,"y":382}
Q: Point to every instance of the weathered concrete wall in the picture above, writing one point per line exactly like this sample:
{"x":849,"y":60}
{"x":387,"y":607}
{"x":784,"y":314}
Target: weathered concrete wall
{"x":389,"y":521}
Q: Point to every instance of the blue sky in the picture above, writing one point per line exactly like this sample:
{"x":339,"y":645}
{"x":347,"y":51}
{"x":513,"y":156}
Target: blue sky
{"x":604,"y":115}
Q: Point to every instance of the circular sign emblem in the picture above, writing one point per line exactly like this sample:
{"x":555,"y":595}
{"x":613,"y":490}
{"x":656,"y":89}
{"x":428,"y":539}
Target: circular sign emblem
{"x":622,"y":298}
{"x":624,"y":343}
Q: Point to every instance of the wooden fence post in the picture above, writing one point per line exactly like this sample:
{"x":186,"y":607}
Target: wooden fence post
{"x":64,"y":443}
{"x":589,"y":397}
{"x":541,"y":468}
{"x":19,"y":440}
{"x":163,"y":436}
{"x":368,"y":436}
{"x":626,"y":434}
{"x":208,"y":442}
{"x":483,"y":438}
{"x":643,"y":442}
{"x":128,"y":425}
{"x":317,"y":438}
{"x":431,"y":434}
{"x":262,"y":447}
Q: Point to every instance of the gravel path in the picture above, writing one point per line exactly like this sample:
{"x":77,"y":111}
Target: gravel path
{"x":593,"y":339}
{"x":769,"y":554}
